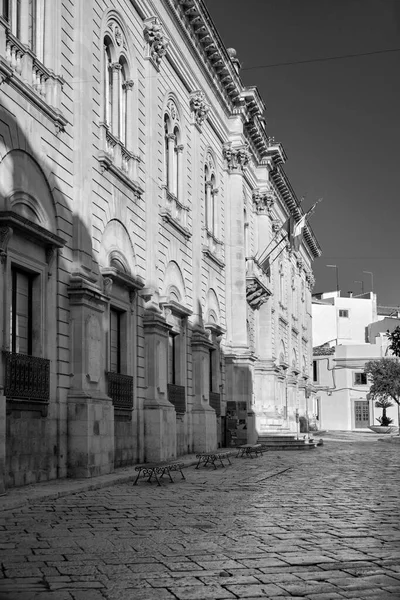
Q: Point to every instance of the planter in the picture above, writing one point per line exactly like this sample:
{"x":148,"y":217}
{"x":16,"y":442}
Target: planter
{"x":386,"y":429}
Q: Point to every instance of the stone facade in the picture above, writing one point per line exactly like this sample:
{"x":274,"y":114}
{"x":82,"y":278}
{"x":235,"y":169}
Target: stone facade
{"x":138,"y":191}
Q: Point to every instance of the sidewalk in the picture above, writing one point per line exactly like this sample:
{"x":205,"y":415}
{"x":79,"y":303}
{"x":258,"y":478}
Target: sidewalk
{"x":56,"y":488}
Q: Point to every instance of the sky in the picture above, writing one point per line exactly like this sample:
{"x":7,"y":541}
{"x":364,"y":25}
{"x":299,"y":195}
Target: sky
{"x":338,"y":121}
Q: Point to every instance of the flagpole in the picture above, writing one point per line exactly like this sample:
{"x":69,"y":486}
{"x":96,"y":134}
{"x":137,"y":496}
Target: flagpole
{"x":260,"y":259}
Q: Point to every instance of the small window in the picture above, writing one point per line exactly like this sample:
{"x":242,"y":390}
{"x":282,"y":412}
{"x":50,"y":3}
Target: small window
{"x":115,"y":341}
{"x":344,"y":313}
{"x":315,"y":370}
{"x":172,"y":351}
{"x":21,"y":312}
{"x":360,"y":379}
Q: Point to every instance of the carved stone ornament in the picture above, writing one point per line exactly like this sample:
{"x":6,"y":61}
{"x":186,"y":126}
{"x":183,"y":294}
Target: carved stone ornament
{"x":199,"y":107}
{"x":310,"y":280}
{"x":299,"y":263}
{"x":276,"y":226}
{"x":264,"y":201}
{"x":236,"y":158}
{"x":107,"y":285}
{"x":5,"y":235}
{"x":154,"y":36}
{"x":117,"y":33}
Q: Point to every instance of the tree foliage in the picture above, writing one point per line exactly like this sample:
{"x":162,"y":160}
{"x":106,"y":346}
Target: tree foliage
{"x":384,"y":404}
{"x":394,"y":338}
{"x":385,"y":377}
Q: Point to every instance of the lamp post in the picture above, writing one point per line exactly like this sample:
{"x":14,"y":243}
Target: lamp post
{"x":372,"y":279}
{"x":362,"y":285}
{"x":337,"y":275}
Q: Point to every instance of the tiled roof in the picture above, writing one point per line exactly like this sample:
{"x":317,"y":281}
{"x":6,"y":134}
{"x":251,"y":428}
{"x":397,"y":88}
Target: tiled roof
{"x":323,"y":350}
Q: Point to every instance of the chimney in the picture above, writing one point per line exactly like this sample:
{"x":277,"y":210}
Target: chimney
{"x":350,"y":294}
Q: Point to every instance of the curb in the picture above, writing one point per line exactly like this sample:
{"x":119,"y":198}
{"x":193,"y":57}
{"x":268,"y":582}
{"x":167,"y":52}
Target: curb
{"x":20,"y":497}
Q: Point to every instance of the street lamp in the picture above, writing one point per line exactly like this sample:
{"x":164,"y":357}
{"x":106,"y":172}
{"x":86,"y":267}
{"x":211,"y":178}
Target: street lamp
{"x":362,"y":285}
{"x":372,"y":279}
{"x":337,"y":275}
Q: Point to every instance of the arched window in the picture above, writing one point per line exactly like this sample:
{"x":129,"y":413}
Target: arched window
{"x":116,"y":84}
{"x":123,"y":90}
{"x":173,"y":151}
{"x":210,"y":188}
{"x":281,"y":284}
{"x":108,"y":82}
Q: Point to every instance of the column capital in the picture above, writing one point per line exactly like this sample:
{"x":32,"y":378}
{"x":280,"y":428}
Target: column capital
{"x":236,"y":157}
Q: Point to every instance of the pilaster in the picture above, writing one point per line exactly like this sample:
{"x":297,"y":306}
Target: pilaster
{"x":203,"y":416}
{"x":159,"y":413}
{"x":90,"y":411}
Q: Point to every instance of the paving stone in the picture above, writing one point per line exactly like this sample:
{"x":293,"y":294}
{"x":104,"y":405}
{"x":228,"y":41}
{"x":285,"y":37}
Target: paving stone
{"x":224,"y":530}
{"x":206,"y":592}
{"x":246,"y":591}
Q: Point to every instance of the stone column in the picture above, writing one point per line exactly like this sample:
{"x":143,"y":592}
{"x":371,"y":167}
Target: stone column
{"x":83,"y":144}
{"x":90,"y":410}
{"x":171,"y":163}
{"x":159,"y":414}
{"x":203,"y":416}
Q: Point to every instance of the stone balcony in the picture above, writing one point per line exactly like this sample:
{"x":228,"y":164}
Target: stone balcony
{"x":20,"y":68}
{"x":213,"y":248}
{"x":175,"y":213}
{"x":258,"y":285}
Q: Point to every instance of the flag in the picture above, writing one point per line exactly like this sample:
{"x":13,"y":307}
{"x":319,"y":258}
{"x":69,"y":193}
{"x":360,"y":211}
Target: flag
{"x":265,"y":265}
{"x":297,"y":236}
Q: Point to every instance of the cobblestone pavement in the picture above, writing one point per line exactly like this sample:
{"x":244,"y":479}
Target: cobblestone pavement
{"x":317,"y":525}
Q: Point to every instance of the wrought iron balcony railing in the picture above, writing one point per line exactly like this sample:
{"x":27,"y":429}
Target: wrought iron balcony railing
{"x":26,"y":377}
{"x":177,"y":397}
{"x":120,"y":390}
{"x":215,"y":402}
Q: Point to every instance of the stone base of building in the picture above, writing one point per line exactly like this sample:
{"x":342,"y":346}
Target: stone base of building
{"x":204,"y":424}
{"x":90,"y":436}
{"x":159,"y":432}
{"x":2,"y":444}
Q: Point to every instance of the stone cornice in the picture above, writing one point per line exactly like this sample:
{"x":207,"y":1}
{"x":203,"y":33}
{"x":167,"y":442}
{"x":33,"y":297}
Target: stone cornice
{"x":290,"y":200}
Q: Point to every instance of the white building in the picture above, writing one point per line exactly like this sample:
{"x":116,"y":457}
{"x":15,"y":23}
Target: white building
{"x":347,"y":333}
{"x":138,"y":191}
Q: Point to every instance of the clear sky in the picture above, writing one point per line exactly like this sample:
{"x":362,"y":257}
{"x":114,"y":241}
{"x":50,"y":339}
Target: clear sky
{"x":338,"y":121}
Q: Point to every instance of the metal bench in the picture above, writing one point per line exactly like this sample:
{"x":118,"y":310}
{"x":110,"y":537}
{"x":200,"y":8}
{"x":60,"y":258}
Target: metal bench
{"x":213,"y":457}
{"x":158,"y":471}
{"x":250,"y":449}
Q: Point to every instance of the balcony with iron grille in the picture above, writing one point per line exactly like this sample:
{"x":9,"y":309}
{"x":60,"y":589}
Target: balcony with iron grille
{"x":177,"y":397}
{"x":26,"y":382}
{"x":120,"y":390}
{"x":215,"y":402}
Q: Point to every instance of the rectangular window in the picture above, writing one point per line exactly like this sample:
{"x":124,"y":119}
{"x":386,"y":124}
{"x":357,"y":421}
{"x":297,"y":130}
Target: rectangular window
{"x":172,"y":358}
{"x":360,"y":379}
{"x":5,"y":12}
{"x":344,"y":313}
{"x":115,"y":341}
{"x":21,"y":311}
{"x":315,"y":370}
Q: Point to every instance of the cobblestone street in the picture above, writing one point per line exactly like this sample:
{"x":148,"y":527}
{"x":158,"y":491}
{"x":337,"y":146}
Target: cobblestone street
{"x":321,"y":525}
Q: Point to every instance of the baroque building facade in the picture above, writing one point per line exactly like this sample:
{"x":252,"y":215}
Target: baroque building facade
{"x":138,"y":192}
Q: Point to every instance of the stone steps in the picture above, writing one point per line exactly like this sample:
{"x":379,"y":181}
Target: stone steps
{"x":280,"y":442}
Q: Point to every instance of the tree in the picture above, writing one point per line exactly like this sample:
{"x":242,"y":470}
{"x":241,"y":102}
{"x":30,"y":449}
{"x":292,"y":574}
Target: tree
{"x":394,"y":338}
{"x":385,"y":376}
{"x":384,"y":404}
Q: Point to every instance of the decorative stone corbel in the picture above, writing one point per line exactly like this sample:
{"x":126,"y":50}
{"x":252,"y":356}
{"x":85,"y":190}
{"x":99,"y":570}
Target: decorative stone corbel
{"x":199,"y":107}
{"x":5,"y":236}
{"x":51,"y":253}
{"x":156,"y":40}
{"x":107,"y":286}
